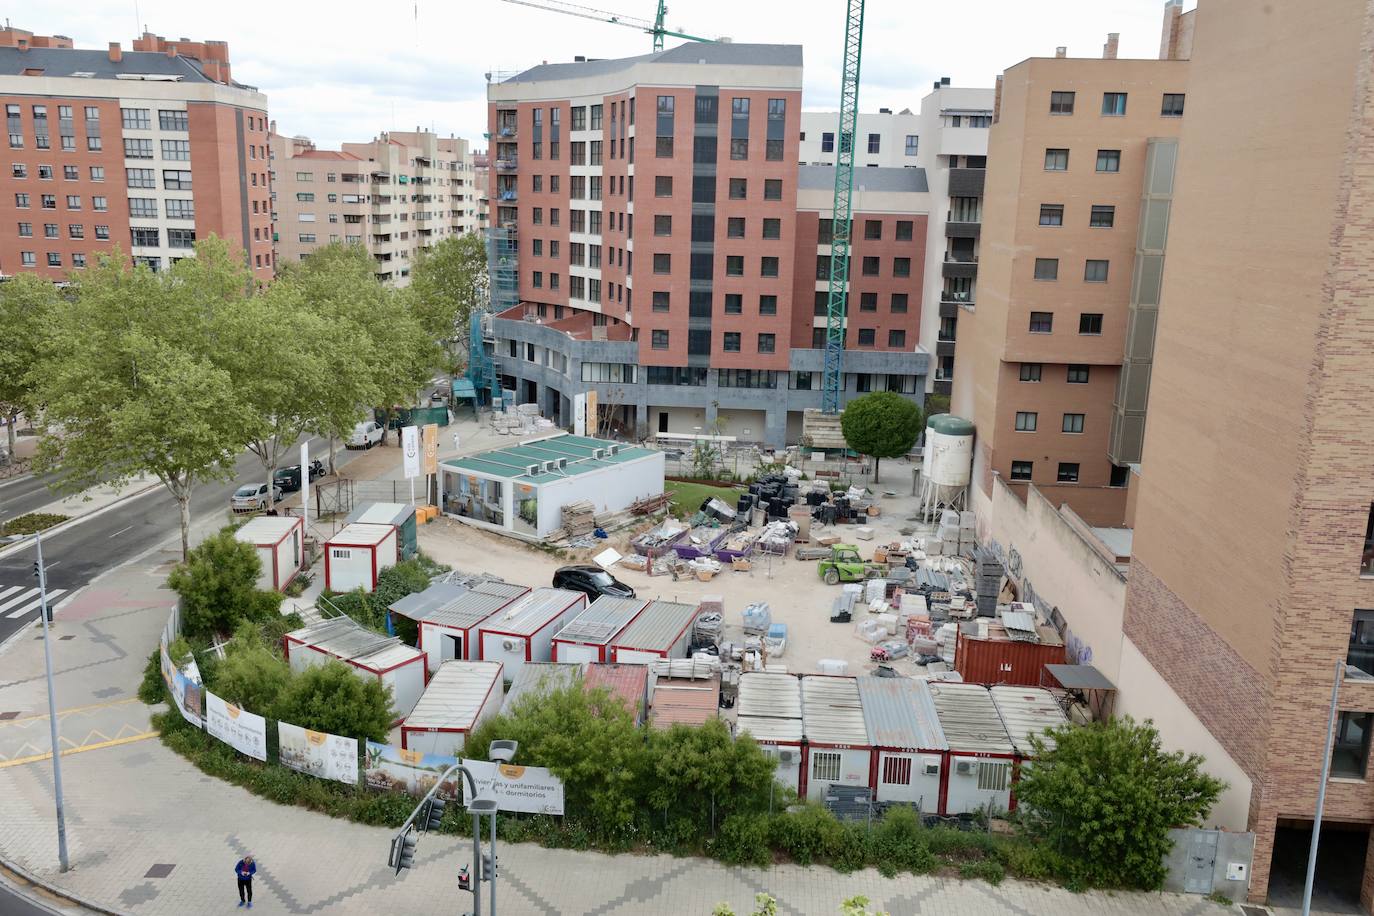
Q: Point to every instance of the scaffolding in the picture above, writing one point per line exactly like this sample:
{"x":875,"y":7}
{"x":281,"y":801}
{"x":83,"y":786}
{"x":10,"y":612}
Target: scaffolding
{"x":504,"y":293}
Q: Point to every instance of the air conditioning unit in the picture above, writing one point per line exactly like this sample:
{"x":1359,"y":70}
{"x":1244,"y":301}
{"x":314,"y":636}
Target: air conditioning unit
{"x":784,"y":756}
{"x":599,"y":453}
{"x":508,"y":645}
{"x":932,"y":769}
{"x":964,"y":767}
{"x":550,"y":466}
{"x":533,"y":470}
{"x":562,"y":463}
{"x":613,"y":449}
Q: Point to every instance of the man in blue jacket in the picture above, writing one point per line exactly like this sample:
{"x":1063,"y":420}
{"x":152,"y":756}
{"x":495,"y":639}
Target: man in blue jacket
{"x":244,"y":871}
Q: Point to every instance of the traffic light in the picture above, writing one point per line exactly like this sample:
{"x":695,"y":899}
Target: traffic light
{"x":432,"y":815}
{"x":403,"y":851}
{"x":37,"y":574}
{"x":488,"y":870}
{"x":464,"y":879}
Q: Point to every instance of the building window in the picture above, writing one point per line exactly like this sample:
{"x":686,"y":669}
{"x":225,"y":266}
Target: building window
{"x":26,"y":230}
{"x":102,"y":233}
{"x":734,"y":304}
{"x":143,"y":207}
{"x":1172,"y":106}
{"x":179,"y":150}
{"x":1114,"y":103}
{"x":78,"y":260}
{"x":772,"y":189}
{"x":772,"y":228}
{"x":767,"y":343}
{"x":734,"y":227}
{"x":768,"y":305}
{"x":867,"y":337}
{"x":69,"y":173}
{"x":768,"y":267}
{"x":181,"y":209}
{"x":739,"y":146}
{"x":663,"y":263}
{"x":731,"y":342}
{"x":1095,"y":271}
{"x":186,"y":238}
{"x":176,"y":179}
{"x":1047,"y":268}
{"x":870,"y":266}
{"x":49,"y":201}
{"x":138,"y":148}
{"x":1068,"y":472}
{"x":875,"y":142}
{"x":901,"y":267}
{"x":868,"y":302}
{"x":54,"y":259}
{"x":660,"y":301}
{"x":1041,"y":322}
{"x":1056,"y":160}
{"x":1061,"y":103}
{"x":659,"y":340}
{"x":27,"y":259}
{"x":1109,"y":160}
{"x":747,"y":378}
{"x":1031,"y":372}
{"x":1073,"y":423}
{"x":1361,"y":652}
{"x":1026,"y":421}
{"x":663,"y":186}
{"x":896,"y":339}
{"x":1051,"y":214}
{"x":734,"y":265}
{"x":904,"y":230}
{"x":1103,"y":216}
{"x":912,"y":144}
{"x":1350,"y":753}
{"x":663,"y":224}
{"x":537,"y":247}
{"x":1090,"y":323}
{"x":141,"y":178}
{"x":1078,"y":375}
{"x":173,"y":120}
{"x":97,"y":173}
{"x":827,"y":142}
{"x":1021,"y":470}
{"x":305,"y":176}
{"x":738,"y":188}
{"x":136,"y":119}
{"x":50,"y":230}
{"x":145,"y":238}
{"x":76,"y":231}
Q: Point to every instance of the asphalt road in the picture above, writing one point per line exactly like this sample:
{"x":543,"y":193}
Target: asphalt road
{"x":26,"y":494}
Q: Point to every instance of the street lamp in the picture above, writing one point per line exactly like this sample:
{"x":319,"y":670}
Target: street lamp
{"x":40,"y":572}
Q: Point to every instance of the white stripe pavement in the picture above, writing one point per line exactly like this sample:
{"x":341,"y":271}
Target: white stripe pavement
{"x":32,"y":593}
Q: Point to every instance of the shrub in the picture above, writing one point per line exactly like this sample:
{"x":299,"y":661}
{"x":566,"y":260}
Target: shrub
{"x":808,"y":834}
{"x":252,"y":675}
{"x":218,"y":587}
{"x":899,"y":843}
{"x":989,"y":870}
{"x":701,"y":774}
{"x":855,"y":849}
{"x":743,"y":840}
{"x":31,"y":523}
{"x":331,"y":698}
{"x":152,"y":689}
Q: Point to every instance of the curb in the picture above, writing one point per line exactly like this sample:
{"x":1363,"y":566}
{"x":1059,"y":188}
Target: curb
{"x":73,"y":522}
{"x":25,"y":877}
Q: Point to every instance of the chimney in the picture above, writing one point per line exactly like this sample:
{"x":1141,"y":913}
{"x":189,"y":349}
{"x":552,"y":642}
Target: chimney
{"x":116,"y":55}
{"x":1061,"y":51}
{"x":1109,"y":49}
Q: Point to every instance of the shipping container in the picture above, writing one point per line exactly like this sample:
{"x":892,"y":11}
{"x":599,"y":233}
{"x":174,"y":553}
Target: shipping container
{"x":280,"y":542}
{"x":662,"y":630}
{"x":535,"y":679}
{"x":770,"y":711}
{"x":523,"y":630}
{"x":371,"y":656}
{"x":978,"y":766}
{"x":398,"y":515}
{"x":588,"y":636}
{"x":909,"y":747}
{"x":448,"y":615}
{"x":837,"y":748}
{"x":356,"y":556}
{"x":628,"y":684}
{"x":1026,"y":711}
{"x":460,"y":696}
{"x":984,"y":655}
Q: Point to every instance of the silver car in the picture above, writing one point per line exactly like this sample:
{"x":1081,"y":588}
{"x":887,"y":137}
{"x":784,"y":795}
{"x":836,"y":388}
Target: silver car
{"x":252,"y":497}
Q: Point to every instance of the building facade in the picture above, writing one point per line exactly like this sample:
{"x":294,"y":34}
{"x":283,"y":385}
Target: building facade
{"x":690,"y":308}
{"x":397,"y":195}
{"x":145,"y":150}
{"x":885,"y":140}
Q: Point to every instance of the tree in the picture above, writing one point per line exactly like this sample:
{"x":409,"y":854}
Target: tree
{"x":135,"y":382}
{"x":217,"y":583}
{"x":331,"y":698}
{"x":1106,"y":795}
{"x":695,"y":769}
{"x":882,"y":425}
{"x":252,"y":675}
{"x":447,"y":283}
{"x":27,"y":305}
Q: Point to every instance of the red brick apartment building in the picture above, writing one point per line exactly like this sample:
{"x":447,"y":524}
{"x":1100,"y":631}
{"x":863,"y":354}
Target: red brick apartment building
{"x":147,"y":149}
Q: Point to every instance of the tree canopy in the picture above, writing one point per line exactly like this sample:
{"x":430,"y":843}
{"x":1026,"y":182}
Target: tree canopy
{"x":882,"y":424}
{"x":447,"y":283}
{"x":27,"y":305}
{"x":217,"y":584}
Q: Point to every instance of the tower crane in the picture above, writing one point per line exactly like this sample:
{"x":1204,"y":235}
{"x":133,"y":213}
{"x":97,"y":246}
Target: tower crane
{"x":654,"y":28}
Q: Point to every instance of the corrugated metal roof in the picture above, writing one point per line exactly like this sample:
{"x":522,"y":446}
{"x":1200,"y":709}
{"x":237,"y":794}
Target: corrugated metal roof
{"x":626,"y":682}
{"x":602,"y":620}
{"x":389,"y":657}
{"x":970,"y":719}
{"x":762,"y":694}
{"x":899,"y":712}
{"x":526,"y":615}
{"x":380,"y":514}
{"x":419,"y":605}
{"x":684,"y":700}
{"x":1027,"y":711}
{"x":342,"y":637}
{"x":539,"y":678}
{"x":769,"y":729}
{"x":831,"y":710}
{"x":474,"y":605}
{"x":359,"y":534}
{"x":708,"y":52}
{"x":512,"y":463}
{"x":657,"y":625}
{"x":266,"y":529}
{"x":455,"y":695}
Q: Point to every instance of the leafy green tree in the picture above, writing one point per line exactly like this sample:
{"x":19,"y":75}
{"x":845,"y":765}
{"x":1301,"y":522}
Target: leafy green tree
{"x":332,"y":698}
{"x":882,"y":425}
{"x":447,"y":283}
{"x":1106,"y":795}
{"x":700,"y":771}
{"x":27,"y":306}
{"x":217,"y":583}
{"x":252,"y":675}
{"x":134,"y":381}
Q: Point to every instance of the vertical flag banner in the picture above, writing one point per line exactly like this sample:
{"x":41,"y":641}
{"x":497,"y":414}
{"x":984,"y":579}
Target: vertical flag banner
{"x":410,"y":447}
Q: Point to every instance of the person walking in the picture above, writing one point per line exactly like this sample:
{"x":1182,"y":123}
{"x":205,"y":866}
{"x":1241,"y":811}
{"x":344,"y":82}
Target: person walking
{"x":244,"y":872}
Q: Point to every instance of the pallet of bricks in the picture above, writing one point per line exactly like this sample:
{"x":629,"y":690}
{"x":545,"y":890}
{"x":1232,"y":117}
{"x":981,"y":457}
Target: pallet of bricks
{"x":579,"y":518}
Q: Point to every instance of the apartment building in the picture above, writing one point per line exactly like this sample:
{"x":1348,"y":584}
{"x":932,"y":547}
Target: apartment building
{"x":716,"y":329}
{"x":885,"y":140}
{"x":145,"y":150}
{"x":398,"y":194}
{"x":1078,"y":147}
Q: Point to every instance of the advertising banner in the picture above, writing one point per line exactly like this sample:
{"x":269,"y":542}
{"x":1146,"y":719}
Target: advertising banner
{"x":186,"y":690}
{"x":410,"y":447}
{"x":431,"y":442}
{"x":318,"y":753}
{"x":238,"y":728}
{"x":533,"y":790}
{"x":593,"y":414}
{"x":580,"y":414}
{"x":388,"y":767}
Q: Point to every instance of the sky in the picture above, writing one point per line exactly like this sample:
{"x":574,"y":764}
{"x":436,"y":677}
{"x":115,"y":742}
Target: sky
{"x":337,"y":70}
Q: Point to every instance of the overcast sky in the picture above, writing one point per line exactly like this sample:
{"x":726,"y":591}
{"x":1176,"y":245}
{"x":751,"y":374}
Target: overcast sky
{"x":344,"y":70}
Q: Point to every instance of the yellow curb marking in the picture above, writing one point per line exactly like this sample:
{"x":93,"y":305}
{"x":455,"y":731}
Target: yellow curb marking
{"x":79,"y":750}
{"x":63,"y":712}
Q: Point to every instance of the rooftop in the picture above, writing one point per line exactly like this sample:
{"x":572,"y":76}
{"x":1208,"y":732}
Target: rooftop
{"x":580,"y":455}
{"x":658,"y":625}
{"x":970,"y":719}
{"x":900,"y":713}
{"x":704,"y":52}
{"x":85,"y":63}
{"x":832,"y":712}
{"x":1027,"y":711}
{"x":455,"y":695}
{"x":530,"y":613}
{"x":539,"y":678}
{"x":602,"y":620}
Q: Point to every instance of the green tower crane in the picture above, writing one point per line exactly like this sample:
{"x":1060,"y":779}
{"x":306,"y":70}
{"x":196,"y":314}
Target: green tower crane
{"x":654,"y":28}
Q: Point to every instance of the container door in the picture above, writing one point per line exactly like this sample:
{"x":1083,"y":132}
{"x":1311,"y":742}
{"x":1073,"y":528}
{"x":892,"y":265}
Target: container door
{"x":1201,"y":864}
{"x":450,"y":647}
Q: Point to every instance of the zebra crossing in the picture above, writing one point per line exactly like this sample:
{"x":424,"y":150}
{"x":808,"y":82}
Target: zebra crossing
{"x":18,"y":600}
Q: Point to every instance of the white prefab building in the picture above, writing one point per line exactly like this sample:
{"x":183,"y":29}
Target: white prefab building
{"x":521,"y":489}
{"x":523,"y":630}
{"x":370,"y":655}
{"x":448,"y":615}
{"x":280,"y":542}
{"x":356,"y":556}
{"x":588,"y":636}
{"x":460,"y":696}
{"x":1026,"y":711}
{"x":770,"y":711}
{"x":908,"y":746}
{"x":837,"y":749}
{"x":540,"y":678}
{"x":978,"y":767}
{"x":662,"y":630}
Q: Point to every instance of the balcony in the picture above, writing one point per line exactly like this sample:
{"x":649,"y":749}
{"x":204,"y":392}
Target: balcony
{"x":507,"y":165}
{"x":944,"y":348}
{"x":962,"y":230}
{"x":960,"y":266}
{"x":943,"y":386}
{"x":508,"y":131}
{"x":966,"y":182}
{"x":506,"y":196}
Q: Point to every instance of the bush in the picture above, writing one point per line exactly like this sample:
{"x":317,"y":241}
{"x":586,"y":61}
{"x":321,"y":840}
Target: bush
{"x":743,"y":840}
{"x":899,"y":844}
{"x":331,"y":698}
{"x":152,"y":689}
{"x":989,"y":870}
{"x":702,"y":774}
{"x":218,"y":587}
{"x":807,"y":835}
{"x":252,"y":675}
{"x":31,"y":523}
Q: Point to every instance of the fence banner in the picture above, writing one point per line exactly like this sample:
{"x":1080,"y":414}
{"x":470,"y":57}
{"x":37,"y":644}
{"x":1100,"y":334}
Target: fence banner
{"x":238,"y":728}
{"x":580,"y":414}
{"x":318,"y":753}
{"x":431,"y":442}
{"x":533,"y":790}
{"x":390,"y":768}
{"x":184,"y":686}
{"x":410,"y":445}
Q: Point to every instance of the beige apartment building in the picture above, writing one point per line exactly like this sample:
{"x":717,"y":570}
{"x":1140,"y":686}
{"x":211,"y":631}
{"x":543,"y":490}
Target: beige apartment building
{"x":1040,"y":356}
{"x":399,"y":194}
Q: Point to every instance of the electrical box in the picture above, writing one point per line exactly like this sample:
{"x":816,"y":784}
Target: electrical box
{"x":1237,"y":871}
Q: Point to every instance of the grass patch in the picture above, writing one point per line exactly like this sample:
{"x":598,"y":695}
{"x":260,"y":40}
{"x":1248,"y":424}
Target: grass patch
{"x":31,"y":523}
{"x":688,"y":497}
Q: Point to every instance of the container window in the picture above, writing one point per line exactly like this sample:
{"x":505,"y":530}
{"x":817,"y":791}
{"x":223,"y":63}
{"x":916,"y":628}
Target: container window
{"x":992,"y":776}
{"x":825,"y":766}
{"x":897,"y":771}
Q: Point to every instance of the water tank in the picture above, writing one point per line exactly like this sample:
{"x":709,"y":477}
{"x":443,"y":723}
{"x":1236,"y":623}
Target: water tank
{"x":948,"y":450}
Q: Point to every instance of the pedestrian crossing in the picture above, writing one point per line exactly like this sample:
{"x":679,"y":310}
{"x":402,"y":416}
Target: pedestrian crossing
{"x":18,"y":600}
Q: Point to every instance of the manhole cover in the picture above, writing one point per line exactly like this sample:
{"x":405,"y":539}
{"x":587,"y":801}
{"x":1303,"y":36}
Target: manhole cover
{"x":159,"y":871}
{"x":9,"y":715}
{"x":66,"y":637}
{"x":1254,"y":910}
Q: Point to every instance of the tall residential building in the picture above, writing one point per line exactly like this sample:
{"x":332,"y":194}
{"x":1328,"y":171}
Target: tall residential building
{"x":883,"y":140}
{"x":691,"y":307}
{"x":1078,"y":147}
{"x":396,"y":195}
{"x":146,"y":150}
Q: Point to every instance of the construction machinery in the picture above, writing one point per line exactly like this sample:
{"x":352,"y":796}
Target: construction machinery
{"x":845,"y":565}
{"x":654,"y":28}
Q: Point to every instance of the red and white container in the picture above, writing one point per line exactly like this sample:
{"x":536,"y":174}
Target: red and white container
{"x":978,"y":769}
{"x":460,"y":696}
{"x":280,"y":543}
{"x":908,"y":746}
{"x":523,"y":631}
{"x":588,"y":636}
{"x":447,"y":617}
{"x":662,"y":630}
{"x":371,"y":656}
{"x":356,"y":556}
{"x":837,"y":748}
{"x":770,"y":711}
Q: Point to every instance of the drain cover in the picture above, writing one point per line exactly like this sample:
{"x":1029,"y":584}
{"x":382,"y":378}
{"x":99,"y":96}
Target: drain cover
{"x":159,"y":871}
{"x":66,"y":637}
{"x":9,"y":715}
{"x":1254,"y":910}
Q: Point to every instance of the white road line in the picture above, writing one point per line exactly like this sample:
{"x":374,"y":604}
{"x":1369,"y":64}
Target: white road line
{"x":26,"y":596}
{"x":9,"y":591}
{"x":121,"y":531}
{"x":47,"y":566}
{"x":33,"y":605}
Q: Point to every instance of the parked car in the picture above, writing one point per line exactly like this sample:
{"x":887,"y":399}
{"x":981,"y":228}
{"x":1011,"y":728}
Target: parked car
{"x":365,"y":435}
{"x":252,"y":497}
{"x":591,"y":580}
{"x":289,"y":479}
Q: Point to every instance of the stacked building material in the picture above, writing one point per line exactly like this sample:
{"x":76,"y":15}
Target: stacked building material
{"x":987,"y":581}
{"x":579,"y":518}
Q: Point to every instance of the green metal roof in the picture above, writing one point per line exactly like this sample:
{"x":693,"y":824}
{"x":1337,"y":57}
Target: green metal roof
{"x":950,"y":425}
{"x":511,"y":463}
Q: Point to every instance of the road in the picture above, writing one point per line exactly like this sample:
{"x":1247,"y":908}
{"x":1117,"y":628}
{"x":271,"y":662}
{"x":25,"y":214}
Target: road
{"x":76,"y":555}
{"x":26,"y":494}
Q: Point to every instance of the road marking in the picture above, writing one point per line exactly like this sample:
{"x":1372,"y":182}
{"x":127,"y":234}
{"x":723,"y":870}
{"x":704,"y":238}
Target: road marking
{"x":47,"y":566}
{"x":62,"y":712}
{"x":35,"y":758}
{"x":26,"y":596}
{"x":9,"y":591}
{"x":121,"y":531}
{"x":33,"y":605}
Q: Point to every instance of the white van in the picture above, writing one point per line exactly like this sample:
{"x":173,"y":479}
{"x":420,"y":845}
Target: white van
{"x":365,"y":435}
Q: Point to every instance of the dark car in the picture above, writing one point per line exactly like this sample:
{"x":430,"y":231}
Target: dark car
{"x":289,"y":479}
{"x":592,"y":580}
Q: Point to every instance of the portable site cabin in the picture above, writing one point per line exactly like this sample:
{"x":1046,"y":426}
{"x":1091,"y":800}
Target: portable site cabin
{"x":398,"y":515}
{"x":837,"y":749}
{"x":460,"y":696}
{"x":627,"y":683}
{"x":370,"y":654}
{"x":684,"y":701}
{"x":908,"y":746}
{"x":521,"y":489}
{"x":978,"y":766}
{"x":588,"y":635}
{"x":769,"y":710}
{"x":280,"y":543}
{"x":1026,"y":711}
{"x":662,"y":630}
{"x":535,"y":679}
{"x":523,"y":630}
{"x":448,"y":616}
{"x":356,"y":556}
